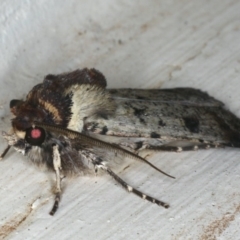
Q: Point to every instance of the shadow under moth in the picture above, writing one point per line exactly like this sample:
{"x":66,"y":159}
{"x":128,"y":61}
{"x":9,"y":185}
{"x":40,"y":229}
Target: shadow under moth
{"x":72,"y":124}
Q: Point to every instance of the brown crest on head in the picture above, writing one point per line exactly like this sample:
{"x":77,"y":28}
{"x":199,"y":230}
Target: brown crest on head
{"x":49,"y":102}
{"x":78,"y":77}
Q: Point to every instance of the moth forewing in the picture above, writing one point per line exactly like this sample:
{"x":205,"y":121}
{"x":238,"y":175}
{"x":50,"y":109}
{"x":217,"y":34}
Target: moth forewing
{"x":73,"y":125}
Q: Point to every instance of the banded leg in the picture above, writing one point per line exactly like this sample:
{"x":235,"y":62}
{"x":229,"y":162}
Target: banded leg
{"x":195,"y":147}
{"x":57,"y":168}
{"x":5,"y":152}
{"x":134,"y":190}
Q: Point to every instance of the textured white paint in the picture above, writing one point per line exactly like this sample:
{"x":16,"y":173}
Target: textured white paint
{"x":153,"y":43}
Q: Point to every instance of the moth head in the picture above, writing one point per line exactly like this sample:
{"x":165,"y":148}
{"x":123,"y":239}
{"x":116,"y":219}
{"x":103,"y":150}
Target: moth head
{"x":25,"y":137}
{"x":24,"y":132}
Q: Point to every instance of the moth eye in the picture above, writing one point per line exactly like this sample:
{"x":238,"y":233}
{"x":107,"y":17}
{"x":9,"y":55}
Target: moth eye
{"x":35,"y":136}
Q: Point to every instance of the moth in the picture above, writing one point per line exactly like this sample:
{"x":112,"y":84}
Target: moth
{"x":72,"y":125}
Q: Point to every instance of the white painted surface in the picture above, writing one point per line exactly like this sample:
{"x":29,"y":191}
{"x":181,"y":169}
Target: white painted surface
{"x":139,"y":44}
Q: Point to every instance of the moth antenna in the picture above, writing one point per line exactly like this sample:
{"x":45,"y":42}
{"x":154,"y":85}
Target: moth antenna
{"x":5,"y":152}
{"x":134,"y":190}
{"x":99,"y":143}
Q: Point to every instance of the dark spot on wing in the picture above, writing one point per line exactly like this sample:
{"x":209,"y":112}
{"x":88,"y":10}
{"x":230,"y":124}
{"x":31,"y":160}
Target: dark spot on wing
{"x":104,"y":130}
{"x":161,"y":123}
{"x":138,"y":145}
{"x":91,"y":126}
{"x":103,"y":115}
{"x":155,"y":135}
{"x":142,"y":120}
{"x":140,"y":97}
{"x":192,"y":124}
{"x":138,"y":112}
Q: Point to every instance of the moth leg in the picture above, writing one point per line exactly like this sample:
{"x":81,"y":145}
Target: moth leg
{"x":194,"y":147}
{"x":5,"y":152}
{"x":57,"y":167}
{"x":134,"y":190}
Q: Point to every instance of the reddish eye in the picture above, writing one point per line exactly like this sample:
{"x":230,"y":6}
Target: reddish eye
{"x":35,"y":136}
{"x":36,"y":133}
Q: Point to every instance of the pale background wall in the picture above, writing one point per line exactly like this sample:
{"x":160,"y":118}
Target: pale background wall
{"x":138,"y":44}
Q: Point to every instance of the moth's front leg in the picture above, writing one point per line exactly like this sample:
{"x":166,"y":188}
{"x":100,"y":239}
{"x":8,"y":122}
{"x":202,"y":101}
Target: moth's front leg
{"x":11,"y":139}
{"x":5,"y":152}
{"x":57,"y":167}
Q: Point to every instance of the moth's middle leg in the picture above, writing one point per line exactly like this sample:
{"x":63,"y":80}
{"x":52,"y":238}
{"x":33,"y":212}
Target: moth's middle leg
{"x":190,"y":147}
{"x":134,"y":190}
{"x":176,"y":146}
